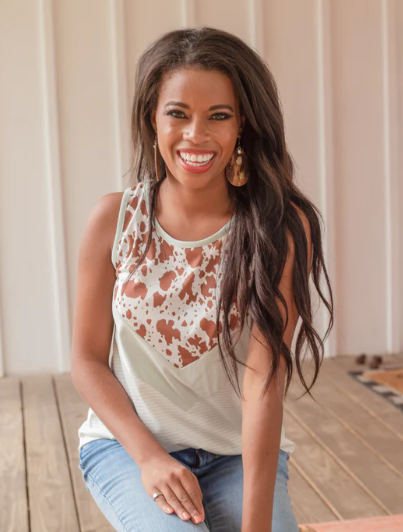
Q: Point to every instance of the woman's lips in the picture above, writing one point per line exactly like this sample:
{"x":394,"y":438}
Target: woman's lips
{"x":195,"y":169}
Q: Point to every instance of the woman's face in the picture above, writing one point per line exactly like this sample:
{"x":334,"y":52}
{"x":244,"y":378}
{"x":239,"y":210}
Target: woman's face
{"x":197,"y":118}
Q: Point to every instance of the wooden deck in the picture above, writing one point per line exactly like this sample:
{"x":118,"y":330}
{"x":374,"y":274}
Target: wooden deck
{"x":348,"y":462}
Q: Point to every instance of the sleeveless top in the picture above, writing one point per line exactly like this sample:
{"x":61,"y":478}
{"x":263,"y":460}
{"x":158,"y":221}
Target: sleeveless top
{"x":164,"y":348}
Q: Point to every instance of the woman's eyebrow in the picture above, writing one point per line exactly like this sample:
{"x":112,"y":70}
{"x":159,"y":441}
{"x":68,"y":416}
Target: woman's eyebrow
{"x":185,"y":106}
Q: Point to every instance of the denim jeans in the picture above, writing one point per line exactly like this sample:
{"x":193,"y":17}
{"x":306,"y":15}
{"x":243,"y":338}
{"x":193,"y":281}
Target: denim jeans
{"x":114,"y":481}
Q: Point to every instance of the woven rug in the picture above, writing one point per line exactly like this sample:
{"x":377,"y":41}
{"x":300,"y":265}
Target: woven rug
{"x":387,"y":383}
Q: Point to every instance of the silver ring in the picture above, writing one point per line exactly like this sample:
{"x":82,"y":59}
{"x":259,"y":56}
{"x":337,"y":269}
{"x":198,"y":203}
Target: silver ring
{"x":156,"y":494}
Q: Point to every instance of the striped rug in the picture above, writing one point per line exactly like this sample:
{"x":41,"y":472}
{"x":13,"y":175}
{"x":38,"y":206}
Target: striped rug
{"x":387,"y":383}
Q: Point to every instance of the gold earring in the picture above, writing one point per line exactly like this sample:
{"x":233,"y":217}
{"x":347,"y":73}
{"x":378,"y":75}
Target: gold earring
{"x":236,"y":170}
{"x":156,"y":159}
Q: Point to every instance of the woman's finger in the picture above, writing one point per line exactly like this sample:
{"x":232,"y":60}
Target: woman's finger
{"x":173,"y":500}
{"x":191,"y":486}
{"x":188,"y":498}
{"x":162,"y":503}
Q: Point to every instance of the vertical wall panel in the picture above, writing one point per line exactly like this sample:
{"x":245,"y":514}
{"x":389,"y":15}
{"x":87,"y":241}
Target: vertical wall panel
{"x":85,"y":77}
{"x":120,"y":96}
{"x":188,"y":10}
{"x":143,"y":26}
{"x":229,"y":15}
{"x":57,"y":252}
{"x":256,"y":25}
{"x":67,"y":70}
{"x":393,"y":284}
{"x":360,"y":175}
{"x":297,"y":49}
{"x":27,"y":302}
{"x":291,"y":52}
{"x":2,"y":354}
{"x":326,"y":184}
{"x":398,"y":88}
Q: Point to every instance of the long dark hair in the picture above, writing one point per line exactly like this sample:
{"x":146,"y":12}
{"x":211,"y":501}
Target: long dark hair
{"x":264,"y":208}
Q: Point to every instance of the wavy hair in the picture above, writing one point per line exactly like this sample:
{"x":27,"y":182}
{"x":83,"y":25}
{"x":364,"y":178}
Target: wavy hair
{"x":264,"y":208}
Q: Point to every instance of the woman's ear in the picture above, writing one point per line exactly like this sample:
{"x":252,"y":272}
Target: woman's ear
{"x":153,"y":121}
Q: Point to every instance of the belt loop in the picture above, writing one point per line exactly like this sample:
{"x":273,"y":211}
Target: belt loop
{"x":197,"y":457}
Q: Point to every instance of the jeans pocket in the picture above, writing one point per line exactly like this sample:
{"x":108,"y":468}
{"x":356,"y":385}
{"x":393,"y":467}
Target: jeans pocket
{"x":283,"y":470}
{"x":81,"y":459}
{"x":285,"y":453}
{"x":85,"y":480}
{"x":82,"y":469}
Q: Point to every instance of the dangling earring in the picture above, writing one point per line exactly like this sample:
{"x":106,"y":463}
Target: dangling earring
{"x":237,"y":171}
{"x":156,"y":159}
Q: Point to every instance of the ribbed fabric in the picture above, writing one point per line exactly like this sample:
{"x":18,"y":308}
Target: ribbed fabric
{"x":168,"y":361}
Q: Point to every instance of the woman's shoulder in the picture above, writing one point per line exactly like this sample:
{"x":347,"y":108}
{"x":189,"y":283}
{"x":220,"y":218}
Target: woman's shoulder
{"x":98,"y":234}
{"x":109,"y":207}
{"x":106,"y":210}
{"x":104,"y":215}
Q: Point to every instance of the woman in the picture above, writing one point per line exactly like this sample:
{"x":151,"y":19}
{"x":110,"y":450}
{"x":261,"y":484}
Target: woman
{"x":212,"y":247}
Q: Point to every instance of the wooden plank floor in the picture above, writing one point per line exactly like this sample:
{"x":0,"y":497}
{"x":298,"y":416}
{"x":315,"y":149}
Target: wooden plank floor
{"x":348,"y":462}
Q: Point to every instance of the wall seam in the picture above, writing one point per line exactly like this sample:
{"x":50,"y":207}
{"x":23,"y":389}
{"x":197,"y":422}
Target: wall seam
{"x":120,"y":91}
{"x":54,"y":185}
{"x":188,"y":13}
{"x":256,"y":20}
{"x":326,"y":173}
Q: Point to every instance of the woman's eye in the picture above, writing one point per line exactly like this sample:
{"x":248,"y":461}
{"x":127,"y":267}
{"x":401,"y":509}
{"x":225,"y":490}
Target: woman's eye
{"x":225,"y":115}
{"x":173,"y":113}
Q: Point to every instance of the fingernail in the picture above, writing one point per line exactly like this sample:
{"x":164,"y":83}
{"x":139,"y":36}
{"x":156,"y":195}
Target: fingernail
{"x":186,"y":515}
{"x":196,"y":518}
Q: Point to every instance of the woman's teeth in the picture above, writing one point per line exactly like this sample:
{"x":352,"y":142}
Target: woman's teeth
{"x":196,"y":160}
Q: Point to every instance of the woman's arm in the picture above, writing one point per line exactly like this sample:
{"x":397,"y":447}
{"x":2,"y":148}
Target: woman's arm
{"x":92,"y":332}
{"x":94,"y":380}
{"x":262,"y":418}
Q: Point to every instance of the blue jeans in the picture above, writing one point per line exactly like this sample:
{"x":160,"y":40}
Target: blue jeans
{"x":114,"y":481}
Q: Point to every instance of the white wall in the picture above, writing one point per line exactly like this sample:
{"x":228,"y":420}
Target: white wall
{"x":67,"y":75}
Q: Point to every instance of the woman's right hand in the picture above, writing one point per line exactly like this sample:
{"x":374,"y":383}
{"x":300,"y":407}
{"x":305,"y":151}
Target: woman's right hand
{"x":180,"y":488}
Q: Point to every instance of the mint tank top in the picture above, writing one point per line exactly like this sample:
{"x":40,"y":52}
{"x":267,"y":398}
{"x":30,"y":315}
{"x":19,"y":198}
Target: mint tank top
{"x":164,"y":348}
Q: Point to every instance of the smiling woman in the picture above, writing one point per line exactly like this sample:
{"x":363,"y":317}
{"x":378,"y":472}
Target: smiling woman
{"x":182,"y":342}
{"x":196,"y":140}
{"x":194,"y":129}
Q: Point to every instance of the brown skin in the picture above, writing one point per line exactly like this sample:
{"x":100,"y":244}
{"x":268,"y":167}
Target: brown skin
{"x":92,"y":377}
{"x":201,"y":206}
{"x":190,"y":207}
{"x":200,"y":201}
{"x":262,"y":418}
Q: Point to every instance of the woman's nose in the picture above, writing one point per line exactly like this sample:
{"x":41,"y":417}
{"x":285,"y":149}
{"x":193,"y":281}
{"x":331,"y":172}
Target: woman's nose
{"x":197,"y":131}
